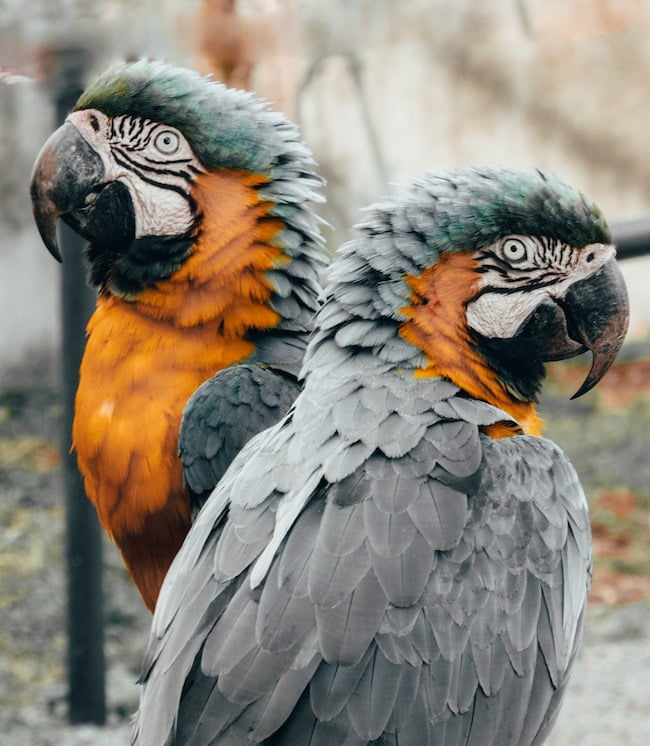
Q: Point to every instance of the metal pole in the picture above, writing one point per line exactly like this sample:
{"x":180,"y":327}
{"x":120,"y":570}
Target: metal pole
{"x":85,"y":614}
{"x":632,"y":237}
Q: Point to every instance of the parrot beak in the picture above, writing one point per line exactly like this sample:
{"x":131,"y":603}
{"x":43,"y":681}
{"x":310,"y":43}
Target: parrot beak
{"x":67,"y":177}
{"x":592,"y":316}
{"x":598,"y":314}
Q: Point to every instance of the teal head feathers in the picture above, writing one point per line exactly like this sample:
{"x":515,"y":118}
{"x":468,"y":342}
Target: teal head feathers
{"x":226,"y":128}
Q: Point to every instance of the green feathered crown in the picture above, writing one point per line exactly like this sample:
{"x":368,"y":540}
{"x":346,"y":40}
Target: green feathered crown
{"x":226,"y":128}
{"x":231,"y":129}
{"x":464,"y":209}
{"x":474,"y":207}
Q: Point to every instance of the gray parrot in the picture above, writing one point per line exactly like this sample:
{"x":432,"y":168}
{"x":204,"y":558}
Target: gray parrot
{"x":403,"y":560}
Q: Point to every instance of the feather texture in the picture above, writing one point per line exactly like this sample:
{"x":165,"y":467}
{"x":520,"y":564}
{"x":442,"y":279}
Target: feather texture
{"x":421,"y":582}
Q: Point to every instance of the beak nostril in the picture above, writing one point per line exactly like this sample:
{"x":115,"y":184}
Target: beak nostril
{"x":590,"y":257}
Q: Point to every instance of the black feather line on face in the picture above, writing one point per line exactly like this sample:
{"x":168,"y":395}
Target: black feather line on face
{"x":547,"y":334}
{"x":119,"y":261}
{"x":147,"y":165}
{"x":139,"y":264}
{"x":516,"y":365}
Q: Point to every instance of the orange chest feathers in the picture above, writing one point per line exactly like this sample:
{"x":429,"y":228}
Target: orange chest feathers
{"x":135,"y":379}
{"x":145,"y":356}
{"x":436,"y":324}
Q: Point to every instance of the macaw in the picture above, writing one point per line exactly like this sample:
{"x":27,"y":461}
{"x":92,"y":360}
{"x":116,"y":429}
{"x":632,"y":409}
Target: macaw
{"x":403,"y":559}
{"x":195,"y":199}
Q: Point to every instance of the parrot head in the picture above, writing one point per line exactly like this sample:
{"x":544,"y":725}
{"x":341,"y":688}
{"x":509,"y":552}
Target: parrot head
{"x":122,"y":170}
{"x":488,"y":273}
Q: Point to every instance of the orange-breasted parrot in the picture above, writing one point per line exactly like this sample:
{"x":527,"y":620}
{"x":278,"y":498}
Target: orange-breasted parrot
{"x":403,"y":560}
{"x":195,"y":199}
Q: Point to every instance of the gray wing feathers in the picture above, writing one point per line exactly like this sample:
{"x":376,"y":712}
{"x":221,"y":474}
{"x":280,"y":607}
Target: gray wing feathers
{"x":223,"y":414}
{"x":433,"y":596}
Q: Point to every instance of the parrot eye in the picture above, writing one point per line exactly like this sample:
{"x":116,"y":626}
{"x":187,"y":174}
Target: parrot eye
{"x":514,"y":250}
{"x":167,"y":142}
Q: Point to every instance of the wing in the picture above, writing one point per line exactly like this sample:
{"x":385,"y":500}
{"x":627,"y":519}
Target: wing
{"x":224,"y":414}
{"x":429,"y":590}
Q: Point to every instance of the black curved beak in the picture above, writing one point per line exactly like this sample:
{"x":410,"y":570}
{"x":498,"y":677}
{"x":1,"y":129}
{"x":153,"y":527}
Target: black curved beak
{"x":66,"y":177}
{"x":592,"y":316}
{"x":598,"y":314}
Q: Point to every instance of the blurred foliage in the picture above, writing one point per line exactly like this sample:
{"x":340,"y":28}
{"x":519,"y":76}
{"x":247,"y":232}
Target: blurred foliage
{"x":606,"y":434}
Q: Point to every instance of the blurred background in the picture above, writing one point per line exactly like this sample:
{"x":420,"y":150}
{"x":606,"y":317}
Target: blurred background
{"x":383,"y":91}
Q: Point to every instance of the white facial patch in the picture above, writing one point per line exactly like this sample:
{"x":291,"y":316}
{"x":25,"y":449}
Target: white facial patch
{"x":528,"y":272}
{"x":497,"y":315}
{"x":153,"y":161}
{"x":158,"y":212}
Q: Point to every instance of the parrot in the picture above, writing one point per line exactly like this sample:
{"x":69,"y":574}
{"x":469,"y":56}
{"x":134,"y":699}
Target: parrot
{"x":403,"y":559}
{"x":196,"y":200}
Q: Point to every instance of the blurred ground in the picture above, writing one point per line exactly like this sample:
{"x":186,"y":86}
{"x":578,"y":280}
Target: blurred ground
{"x":606,"y":434}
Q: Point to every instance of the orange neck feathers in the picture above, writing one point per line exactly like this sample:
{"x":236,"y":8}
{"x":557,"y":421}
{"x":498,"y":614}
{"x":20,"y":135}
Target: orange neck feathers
{"x":147,"y":354}
{"x":436,"y":325}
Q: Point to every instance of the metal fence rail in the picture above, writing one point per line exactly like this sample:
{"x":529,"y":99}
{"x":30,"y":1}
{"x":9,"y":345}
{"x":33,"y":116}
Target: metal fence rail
{"x":632,"y":237}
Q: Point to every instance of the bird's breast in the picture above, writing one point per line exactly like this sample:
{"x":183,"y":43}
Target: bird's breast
{"x":135,"y":378}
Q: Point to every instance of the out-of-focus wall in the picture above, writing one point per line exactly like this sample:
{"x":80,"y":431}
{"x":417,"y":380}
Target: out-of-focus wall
{"x":556,"y":84}
{"x":29,"y":30}
{"x":28,"y":282}
{"x":382,"y":90}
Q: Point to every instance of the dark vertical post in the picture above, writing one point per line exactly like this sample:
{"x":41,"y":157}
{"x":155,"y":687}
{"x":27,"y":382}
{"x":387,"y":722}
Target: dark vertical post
{"x":85,"y":617}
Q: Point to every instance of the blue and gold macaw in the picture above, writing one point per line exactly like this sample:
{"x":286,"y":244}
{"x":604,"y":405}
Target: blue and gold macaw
{"x":196,"y":200}
{"x":403,"y":560}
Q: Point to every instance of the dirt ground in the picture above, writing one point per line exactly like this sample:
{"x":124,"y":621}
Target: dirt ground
{"x":606,"y":434}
